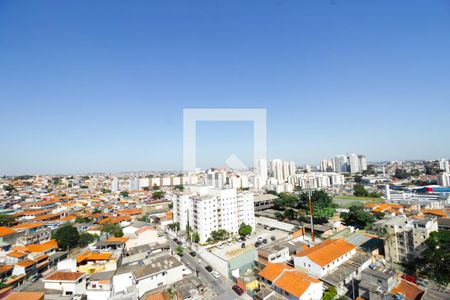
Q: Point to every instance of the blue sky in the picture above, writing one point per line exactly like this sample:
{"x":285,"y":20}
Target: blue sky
{"x":100,"y":85}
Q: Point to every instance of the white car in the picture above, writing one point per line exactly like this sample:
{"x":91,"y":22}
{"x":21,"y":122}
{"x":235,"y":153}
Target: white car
{"x":215,"y":274}
{"x":229,"y":243}
{"x":219,"y":246}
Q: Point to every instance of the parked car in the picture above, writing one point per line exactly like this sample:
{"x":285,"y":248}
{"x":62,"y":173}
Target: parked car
{"x":271,"y":229}
{"x":229,"y":243}
{"x":257,"y":244}
{"x":265,"y":241}
{"x":220,"y":246}
{"x":243,"y":245}
{"x":409,"y":278}
{"x":215,"y":274}
{"x":260,"y":239}
{"x":192,"y":253}
{"x":208,"y":268}
{"x":422,"y":282}
{"x":237,"y":289}
{"x":273,"y":238}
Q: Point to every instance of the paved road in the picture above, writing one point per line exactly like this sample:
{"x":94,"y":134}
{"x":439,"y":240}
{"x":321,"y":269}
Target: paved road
{"x":218,"y":285}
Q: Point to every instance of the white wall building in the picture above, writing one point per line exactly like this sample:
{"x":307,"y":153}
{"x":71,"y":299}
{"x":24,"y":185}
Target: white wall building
{"x":207,"y":209}
{"x":325,"y":257}
{"x":69,"y":283}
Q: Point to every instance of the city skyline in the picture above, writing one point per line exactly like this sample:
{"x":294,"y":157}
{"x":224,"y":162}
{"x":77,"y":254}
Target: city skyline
{"x":100,"y":87}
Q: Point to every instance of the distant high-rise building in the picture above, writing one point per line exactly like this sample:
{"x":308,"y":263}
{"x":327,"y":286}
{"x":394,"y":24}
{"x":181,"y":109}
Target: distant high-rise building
{"x":444,"y":179}
{"x":362,"y":162}
{"x":114,"y":185}
{"x":353,"y":161}
{"x":261,"y":169}
{"x":444,"y":165}
{"x":277,"y":170}
{"x":340,"y":163}
{"x":133,"y":184}
{"x":326,"y":165}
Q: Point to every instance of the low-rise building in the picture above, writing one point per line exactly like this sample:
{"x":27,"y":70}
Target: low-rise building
{"x":291,"y":283}
{"x":325,"y":257}
{"x":68,"y":283}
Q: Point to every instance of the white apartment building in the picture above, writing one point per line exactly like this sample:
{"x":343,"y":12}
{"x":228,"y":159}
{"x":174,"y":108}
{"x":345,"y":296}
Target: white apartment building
{"x":206,"y":209}
{"x":444,"y":165}
{"x":277,"y":170}
{"x":353,"y":162}
{"x":320,"y":180}
{"x":444,"y":179}
{"x":326,"y":165}
{"x":404,"y":238}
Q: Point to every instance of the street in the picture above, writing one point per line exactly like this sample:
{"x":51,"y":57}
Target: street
{"x":218,"y":285}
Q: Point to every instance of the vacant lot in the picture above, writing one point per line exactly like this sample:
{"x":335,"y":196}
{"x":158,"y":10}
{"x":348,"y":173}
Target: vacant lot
{"x":347,"y":201}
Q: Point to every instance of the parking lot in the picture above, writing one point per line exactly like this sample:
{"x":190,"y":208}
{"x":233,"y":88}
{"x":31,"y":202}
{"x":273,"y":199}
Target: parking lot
{"x":229,"y":251}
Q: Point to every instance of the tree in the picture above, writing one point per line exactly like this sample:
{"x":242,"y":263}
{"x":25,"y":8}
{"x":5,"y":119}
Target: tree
{"x":321,"y":214}
{"x":179,"y":249}
{"x":174,"y":226}
{"x":245,"y":229}
{"x":329,"y":294}
{"x":219,"y":235}
{"x":9,"y":188}
{"x":358,"y":178}
{"x":113,"y":229}
{"x":323,"y":206}
{"x":179,"y":187}
{"x":86,"y":238}
{"x":81,"y":219}
{"x":158,"y":195}
{"x":401,"y":174}
{"x":7,"y":220}
{"x":435,"y":260}
{"x":360,"y":191}
{"x":285,"y":200}
{"x":289,"y":214}
{"x":195,"y":237}
{"x":124,"y":194}
{"x":66,"y":236}
{"x":357,"y":217}
{"x":279,"y":216}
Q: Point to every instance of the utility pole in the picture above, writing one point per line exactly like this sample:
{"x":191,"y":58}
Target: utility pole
{"x":310,"y":206}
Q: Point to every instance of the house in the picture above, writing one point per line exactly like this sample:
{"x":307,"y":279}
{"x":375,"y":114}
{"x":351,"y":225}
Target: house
{"x":148,"y":274}
{"x":26,"y":295}
{"x":6,"y":238}
{"x":273,"y":253}
{"x":100,"y":285}
{"x":291,"y":283}
{"x":68,"y":283}
{"x":92,"y":262}
{"x":377,"y":284}
{"x":144,"y":236}
{"x":407,"y":291}
{"x":325,"y":257}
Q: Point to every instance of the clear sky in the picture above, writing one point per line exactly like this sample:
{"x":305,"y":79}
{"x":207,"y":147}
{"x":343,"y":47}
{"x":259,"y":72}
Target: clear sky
{"x":100,"y":85}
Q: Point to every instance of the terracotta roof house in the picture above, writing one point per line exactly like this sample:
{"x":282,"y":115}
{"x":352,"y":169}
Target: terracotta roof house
{"x":290,"y":282}
{"x":325,"y":257}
